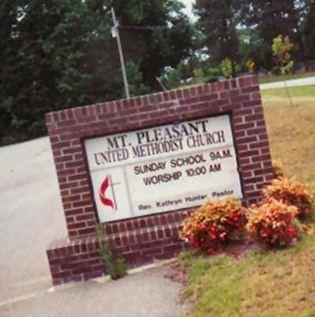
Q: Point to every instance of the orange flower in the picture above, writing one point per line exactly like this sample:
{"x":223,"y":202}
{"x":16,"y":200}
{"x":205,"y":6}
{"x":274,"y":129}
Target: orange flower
{"x":291,"y":192}
{"x":273,"y":223}
{"x":214,"y":224}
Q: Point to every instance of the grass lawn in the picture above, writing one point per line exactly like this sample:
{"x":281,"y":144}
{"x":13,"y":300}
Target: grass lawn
{"x":273,"y":78}
{"x":265,"y":284}
{"x":291,"y":130}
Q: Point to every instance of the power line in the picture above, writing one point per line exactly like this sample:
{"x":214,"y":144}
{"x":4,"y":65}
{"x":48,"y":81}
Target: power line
{"x":147,"y":27}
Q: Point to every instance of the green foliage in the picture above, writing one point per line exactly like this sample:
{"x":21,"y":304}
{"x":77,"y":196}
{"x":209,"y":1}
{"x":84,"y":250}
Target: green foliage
{"x":227,"y":68}
{"x":265,"y":20}
{"x":172,"y":78}
{"x":308,"y":29}
{"x":287,"y":68}
{"x":60,"y":54}
{"x":115,"y":266}
{"x":135,"y":79}
{"x":281,"y":48}
{"x":188,"y":72}
{"x":212,"y":74}
{"x":218,"y":25}
{"x":155,"y":34}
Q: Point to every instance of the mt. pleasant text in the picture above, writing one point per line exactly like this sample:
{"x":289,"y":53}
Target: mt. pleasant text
{"x":158,"y":141}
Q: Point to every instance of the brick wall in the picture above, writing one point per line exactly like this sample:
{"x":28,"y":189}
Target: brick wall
{"x":79,"y":259}
{"x":68,"y":128}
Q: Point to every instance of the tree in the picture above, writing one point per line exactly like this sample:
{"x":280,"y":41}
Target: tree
{"x":281,"y":48}
{"x":266,"y":20}
{"x":218,"y":26}
{"x":60,"y":53}
{"x":156,"y":33}
{"x":48,"y":63}
{"x":308,"y":29}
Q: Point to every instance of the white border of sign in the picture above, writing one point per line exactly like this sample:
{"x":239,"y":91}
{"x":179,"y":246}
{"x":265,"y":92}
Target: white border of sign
{"x":163,"y":168}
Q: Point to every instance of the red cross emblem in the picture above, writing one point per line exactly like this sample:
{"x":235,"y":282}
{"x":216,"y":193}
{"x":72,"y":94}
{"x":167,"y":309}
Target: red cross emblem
{"x":108,"y":184}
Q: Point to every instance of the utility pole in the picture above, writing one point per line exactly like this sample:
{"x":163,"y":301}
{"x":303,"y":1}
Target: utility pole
{"x":158,"y":79}
{"x":115,"y":34}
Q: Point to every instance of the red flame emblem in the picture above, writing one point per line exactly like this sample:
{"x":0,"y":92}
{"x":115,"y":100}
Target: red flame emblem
{"x":105,"y":200}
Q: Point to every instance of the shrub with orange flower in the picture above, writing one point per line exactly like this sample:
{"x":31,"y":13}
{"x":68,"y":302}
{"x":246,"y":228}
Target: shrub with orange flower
{"x":273,"y":224}
{"x":290,"y":192}
{"x":277,"y":167}
{"x":215,"y":224}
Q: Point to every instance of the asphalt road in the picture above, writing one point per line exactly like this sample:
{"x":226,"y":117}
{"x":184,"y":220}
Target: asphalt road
{"x":309,"y":81}
{"x":30,"y":218}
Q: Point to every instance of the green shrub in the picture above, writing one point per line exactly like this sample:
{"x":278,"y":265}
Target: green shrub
{"x":115,"y":266}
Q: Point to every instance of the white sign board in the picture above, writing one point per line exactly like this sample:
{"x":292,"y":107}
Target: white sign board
{"x":163,"y":168}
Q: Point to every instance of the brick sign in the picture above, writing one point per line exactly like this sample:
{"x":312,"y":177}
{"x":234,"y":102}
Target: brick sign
{"x":163,"y":168}
{"x":134,"y":166}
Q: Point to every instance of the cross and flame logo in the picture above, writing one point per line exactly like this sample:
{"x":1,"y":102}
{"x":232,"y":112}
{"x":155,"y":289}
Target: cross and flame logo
{"x":108,"y":184}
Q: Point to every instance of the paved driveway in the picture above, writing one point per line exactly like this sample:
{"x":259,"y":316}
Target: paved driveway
{"x":309,"y":81}
{"x":144,"y":294}
{"x":30,"y":218}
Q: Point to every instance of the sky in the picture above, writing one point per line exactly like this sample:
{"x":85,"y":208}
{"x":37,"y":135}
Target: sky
{"x":188,"y":4}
